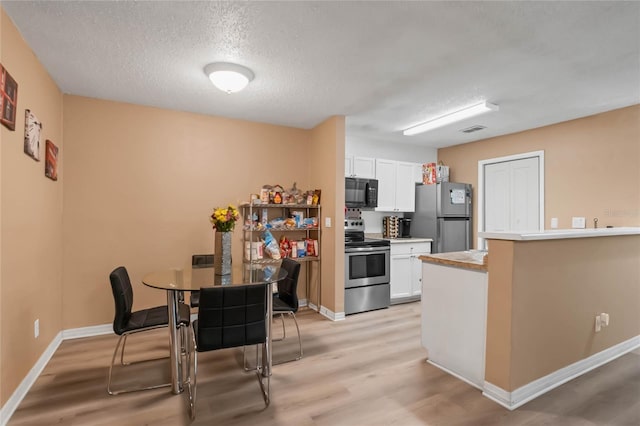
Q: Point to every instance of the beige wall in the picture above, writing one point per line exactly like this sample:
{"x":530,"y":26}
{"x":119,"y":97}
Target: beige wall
{"x":327,"y":171}
{"x":31,"y":234}
{"x":549,"y":298}
{"x":499,"y":312}
{"x":592,"y":166}
{"x":141,"y":183}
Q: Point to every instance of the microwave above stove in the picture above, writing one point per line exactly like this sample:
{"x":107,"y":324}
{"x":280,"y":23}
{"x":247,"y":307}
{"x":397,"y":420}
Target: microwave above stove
{"x":360,"y":193}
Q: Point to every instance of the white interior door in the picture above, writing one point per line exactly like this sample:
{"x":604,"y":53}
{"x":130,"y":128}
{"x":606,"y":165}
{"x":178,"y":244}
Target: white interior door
{"x":525,"y":197}
{"x":511,"y":196}
{"x":496,"y":197}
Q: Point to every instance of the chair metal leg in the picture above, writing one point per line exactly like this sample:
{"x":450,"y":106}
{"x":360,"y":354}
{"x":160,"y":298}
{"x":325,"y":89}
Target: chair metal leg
{"x":113,"y":359}
{"x":299,"y":338}
{"x":124,"y":342}
{"x":299,"y":357}
{"x":244,"y":359}
{"x":265,"y":382}
{"x":284,"y":330}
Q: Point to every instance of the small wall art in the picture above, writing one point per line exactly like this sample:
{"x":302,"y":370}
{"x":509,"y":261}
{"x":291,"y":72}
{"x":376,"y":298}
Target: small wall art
{"x":8,"y":99}
{"x":32,"y":130}
{"x":51,"y":160}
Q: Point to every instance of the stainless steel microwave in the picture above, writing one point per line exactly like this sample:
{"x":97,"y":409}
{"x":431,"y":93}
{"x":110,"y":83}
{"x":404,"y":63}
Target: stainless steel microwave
{"x":359,"y":193}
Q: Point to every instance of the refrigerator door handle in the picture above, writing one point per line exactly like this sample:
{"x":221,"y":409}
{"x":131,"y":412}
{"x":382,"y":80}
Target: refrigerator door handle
{"x":439,"y":237}
{"x":467,"y":238}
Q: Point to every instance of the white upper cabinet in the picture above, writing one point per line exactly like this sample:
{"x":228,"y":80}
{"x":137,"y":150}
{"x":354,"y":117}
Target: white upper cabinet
{"x":396,"y":186}
{"x":362,"y":167}
{"x":405,"y":187}
{"x":417,"y":172}
{"x":386,"y":175}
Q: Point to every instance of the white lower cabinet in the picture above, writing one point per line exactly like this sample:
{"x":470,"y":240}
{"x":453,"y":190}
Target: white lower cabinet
{"x":454,"y":320}
{"x":406,"y":270}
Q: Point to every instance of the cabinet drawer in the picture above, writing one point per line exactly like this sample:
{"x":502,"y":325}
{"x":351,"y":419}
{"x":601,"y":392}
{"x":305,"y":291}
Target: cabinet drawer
{"x":400,"y":248}
{"x":421,"y":248}
{"x":410,"y":248}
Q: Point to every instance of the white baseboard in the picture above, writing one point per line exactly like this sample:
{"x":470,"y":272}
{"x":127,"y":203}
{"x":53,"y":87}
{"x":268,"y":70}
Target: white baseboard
{"x":526,"y":393}
{"x":95,"y":330}
{"x":333,"y":316}
{"x":21,"y":391}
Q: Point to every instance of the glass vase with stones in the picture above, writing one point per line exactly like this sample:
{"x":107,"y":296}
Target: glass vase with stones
{"x":222,"y":258}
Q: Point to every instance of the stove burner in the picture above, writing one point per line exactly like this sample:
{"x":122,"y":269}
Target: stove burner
{"x":357,"y":239}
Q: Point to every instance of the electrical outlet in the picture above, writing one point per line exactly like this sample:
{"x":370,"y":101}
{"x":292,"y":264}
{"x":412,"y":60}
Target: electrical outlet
{"x":604,"y":319}
{"x":327,"y":222}
{"x":36,"y":328}
{"x":578,"y":222}
{"x":554,"y":223}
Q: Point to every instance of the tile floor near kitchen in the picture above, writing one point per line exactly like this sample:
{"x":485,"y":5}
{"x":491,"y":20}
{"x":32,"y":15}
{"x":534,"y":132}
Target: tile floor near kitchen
{"x":367,"y":370}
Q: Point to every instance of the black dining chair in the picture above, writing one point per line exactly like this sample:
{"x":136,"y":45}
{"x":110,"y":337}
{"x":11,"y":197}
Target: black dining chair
{"x":128,"y":322}
{"x":199,"y":261}
{"x":286,"y":301}
{"x":228,"y":316}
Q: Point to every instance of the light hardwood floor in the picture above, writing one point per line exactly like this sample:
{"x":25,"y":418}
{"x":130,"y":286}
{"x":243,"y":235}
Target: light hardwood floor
{"x":367,"y":370}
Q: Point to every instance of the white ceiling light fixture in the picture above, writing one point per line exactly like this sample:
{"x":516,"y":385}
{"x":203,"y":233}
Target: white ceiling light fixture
{"x":228,"y":77}
{"x":467,"y":112}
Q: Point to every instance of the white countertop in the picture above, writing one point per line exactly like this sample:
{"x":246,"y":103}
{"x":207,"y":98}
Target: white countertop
{"x":408,"y":240}
{"x":399,"y":240}
{"x":556,"y":234}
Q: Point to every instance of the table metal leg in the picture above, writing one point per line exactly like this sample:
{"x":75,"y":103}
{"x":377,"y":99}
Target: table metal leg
{"x":266,"y":352}
{"x":176,"y":373}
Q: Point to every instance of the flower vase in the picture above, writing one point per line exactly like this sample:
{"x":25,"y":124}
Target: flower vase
{"x":222,"y":257}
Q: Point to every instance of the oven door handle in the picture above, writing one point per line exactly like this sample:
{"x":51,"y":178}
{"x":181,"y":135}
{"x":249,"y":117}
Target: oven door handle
{"x":366,"y":250}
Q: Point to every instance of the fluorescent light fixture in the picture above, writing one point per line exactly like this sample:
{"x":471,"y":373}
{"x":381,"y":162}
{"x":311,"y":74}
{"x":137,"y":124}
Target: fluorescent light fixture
{"x":228,"y":77}
{"x":470,"y":111}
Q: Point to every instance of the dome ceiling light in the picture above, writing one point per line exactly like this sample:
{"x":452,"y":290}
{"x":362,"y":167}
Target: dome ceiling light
{"x":228,"y":77}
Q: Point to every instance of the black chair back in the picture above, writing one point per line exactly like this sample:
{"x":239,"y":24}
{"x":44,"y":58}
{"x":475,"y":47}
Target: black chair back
{"x":123,"y":298}
{"x":288,"y":287}
{"x":202,"y":260}
{"x":231,"y":316}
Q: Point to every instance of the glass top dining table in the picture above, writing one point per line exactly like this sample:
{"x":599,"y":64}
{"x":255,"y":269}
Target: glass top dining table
{"x":175,"y":281}
{"x":192,"y":278}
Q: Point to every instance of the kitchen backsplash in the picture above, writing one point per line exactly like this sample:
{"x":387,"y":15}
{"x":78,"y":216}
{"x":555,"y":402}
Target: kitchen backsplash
{"x":373,"y":220}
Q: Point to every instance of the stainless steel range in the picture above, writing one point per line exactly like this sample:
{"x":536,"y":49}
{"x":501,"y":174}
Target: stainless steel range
{"x":366,"y":281}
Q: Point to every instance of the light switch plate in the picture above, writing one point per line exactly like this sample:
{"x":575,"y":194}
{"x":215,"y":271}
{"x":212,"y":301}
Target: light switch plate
{"x":554,"y":223}
{"x":327,"y":222}
{"x":578,"y":222}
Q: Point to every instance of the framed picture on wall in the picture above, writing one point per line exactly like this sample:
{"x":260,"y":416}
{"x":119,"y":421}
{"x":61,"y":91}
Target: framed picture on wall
{"x":8,"y":99}
{"x":51,"y":160}
{"x":32,"y":130}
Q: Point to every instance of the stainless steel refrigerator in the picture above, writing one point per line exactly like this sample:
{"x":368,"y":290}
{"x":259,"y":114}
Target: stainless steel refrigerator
{"x":443,"y":213}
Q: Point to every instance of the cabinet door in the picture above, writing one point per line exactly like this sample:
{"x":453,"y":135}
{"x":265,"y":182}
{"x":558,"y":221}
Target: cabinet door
{"x":364,"y":167}
{"x":401,"y":276}
{"x":405,"y":187}
{"x":417,"y":172}
{"x":386,"y":175}
{"x":348,"y":166}
{"x":416,"y":275}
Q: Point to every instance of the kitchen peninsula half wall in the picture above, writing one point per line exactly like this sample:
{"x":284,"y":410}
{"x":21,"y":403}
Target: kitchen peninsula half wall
{"x":545,"y":290}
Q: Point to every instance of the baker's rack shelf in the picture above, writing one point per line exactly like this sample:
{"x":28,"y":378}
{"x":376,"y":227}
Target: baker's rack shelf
{"x":252,"y":233}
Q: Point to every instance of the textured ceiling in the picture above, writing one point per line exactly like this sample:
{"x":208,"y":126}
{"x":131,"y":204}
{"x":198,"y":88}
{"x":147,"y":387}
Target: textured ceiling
{"x":384,"y":65}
